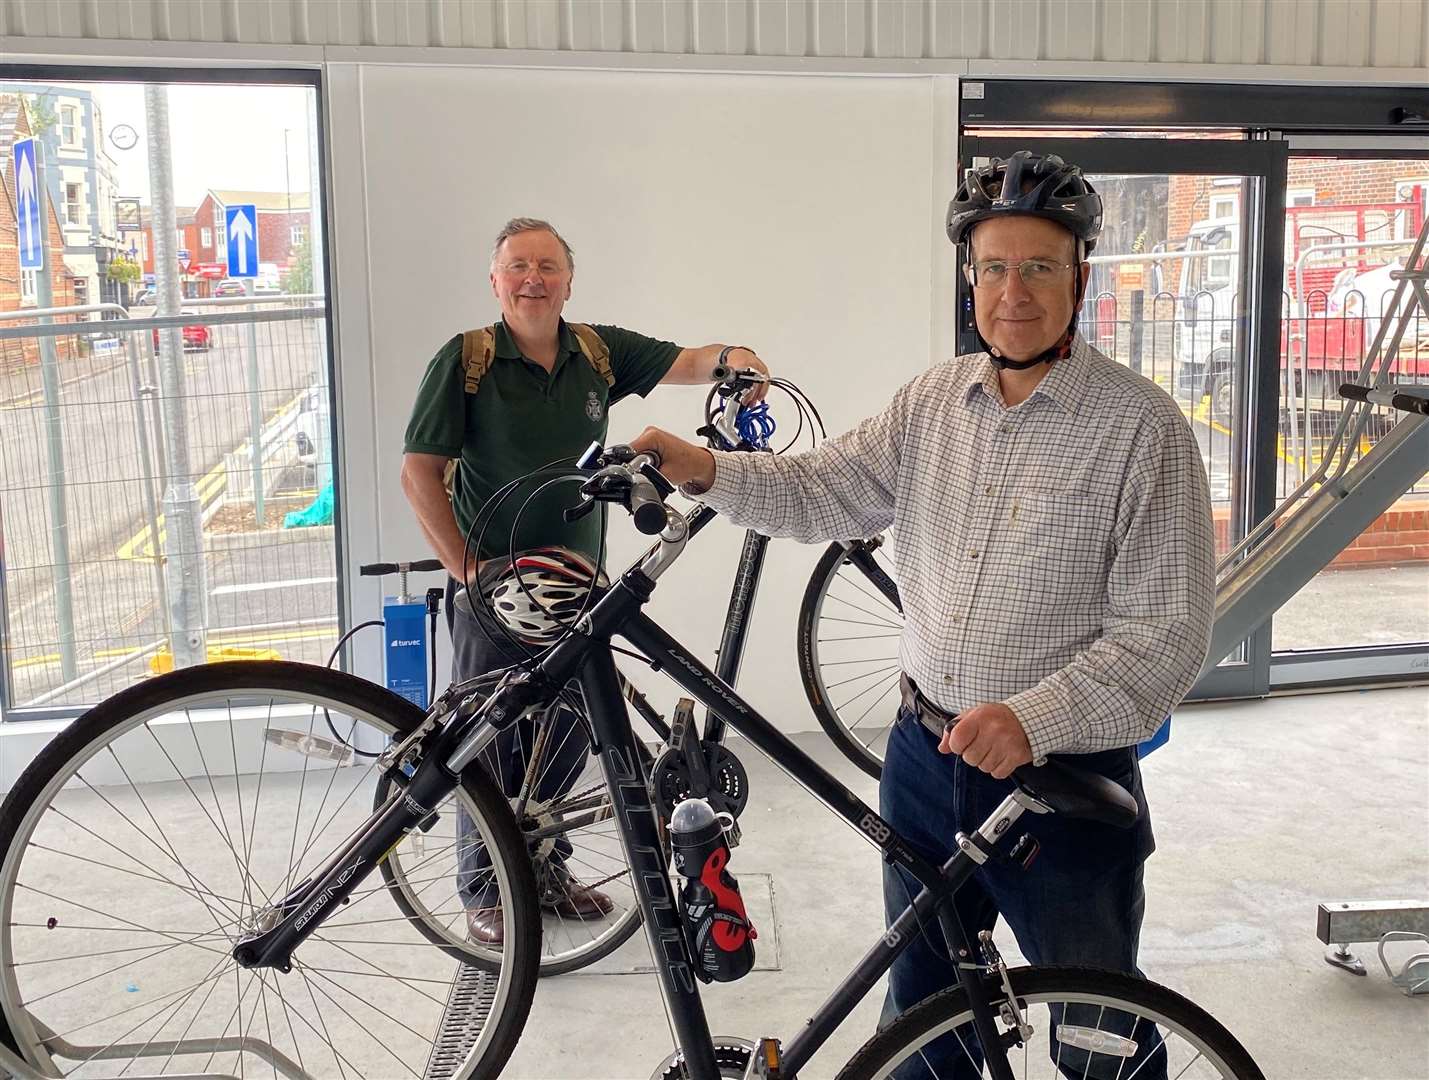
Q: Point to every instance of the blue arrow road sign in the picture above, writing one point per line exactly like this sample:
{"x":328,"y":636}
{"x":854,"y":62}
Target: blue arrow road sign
{"x":27,"y":206}
{"x":242,"y":225}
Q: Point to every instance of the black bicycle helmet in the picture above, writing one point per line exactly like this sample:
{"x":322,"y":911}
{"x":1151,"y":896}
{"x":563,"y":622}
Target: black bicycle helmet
{"x":1026,"y":183}
{"x":1035,"y":185}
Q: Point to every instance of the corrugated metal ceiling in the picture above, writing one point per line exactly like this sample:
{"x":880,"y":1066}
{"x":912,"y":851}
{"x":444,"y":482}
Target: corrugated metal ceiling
{"x":1349,"y":33}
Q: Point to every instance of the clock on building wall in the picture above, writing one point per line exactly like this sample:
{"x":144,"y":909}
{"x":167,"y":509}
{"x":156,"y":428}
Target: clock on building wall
{"x":123,"y":137}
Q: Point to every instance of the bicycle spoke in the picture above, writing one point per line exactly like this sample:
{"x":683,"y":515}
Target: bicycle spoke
{"x":885,"y":620}
{"x":125,"y":870}
{"x":856,"y":678}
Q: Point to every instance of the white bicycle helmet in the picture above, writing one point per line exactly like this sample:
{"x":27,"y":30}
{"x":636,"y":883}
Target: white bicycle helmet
{"x":556,"y":584}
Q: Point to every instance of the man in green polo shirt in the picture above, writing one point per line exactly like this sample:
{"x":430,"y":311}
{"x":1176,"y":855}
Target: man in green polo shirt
{"x":542,"y":397}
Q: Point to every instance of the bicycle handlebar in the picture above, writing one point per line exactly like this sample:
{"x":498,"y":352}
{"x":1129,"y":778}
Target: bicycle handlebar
{"x":736,"y":379}
{"x":381,"y":569}
{"x":646,"y":506}
{"x":1405,"y":399}
{"x":630,"y":479}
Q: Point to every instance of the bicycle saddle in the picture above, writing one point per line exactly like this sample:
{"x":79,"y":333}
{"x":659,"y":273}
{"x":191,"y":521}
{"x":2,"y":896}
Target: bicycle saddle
{"x":1078,"y":793}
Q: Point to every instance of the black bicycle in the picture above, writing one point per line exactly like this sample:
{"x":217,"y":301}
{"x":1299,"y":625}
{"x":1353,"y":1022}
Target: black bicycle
{"x":563,"y":809}
{"x":306,"y":989}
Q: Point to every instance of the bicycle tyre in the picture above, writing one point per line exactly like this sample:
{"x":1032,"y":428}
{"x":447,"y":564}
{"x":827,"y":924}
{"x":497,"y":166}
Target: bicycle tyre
{"x":554,"y":959}
{"x":55,"y":777}
{"x":812,"y":612}
{"x":944,"y":1011}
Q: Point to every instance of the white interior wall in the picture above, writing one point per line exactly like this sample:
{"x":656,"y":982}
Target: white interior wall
{"x":799,"y":215}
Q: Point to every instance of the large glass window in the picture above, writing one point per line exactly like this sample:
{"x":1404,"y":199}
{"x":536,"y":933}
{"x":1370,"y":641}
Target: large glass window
{"x":1320,"y":231}
{"x":166,"y":493}
{"x":1342,"y":250}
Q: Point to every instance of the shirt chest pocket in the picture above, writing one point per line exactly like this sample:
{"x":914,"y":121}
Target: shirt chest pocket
{"x":1063,"y":539}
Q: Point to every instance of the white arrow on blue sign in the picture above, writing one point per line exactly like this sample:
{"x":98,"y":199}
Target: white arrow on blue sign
{"x":242,"y":226}
{"x":27,"y":206}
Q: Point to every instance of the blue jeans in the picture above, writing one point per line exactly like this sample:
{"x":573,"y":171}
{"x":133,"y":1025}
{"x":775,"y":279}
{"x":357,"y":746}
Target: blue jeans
{"x":1081,"y":901}
{"x":477,"y":648}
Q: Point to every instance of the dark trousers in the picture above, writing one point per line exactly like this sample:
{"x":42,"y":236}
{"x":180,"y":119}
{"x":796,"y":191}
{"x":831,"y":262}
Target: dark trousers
{"x":479,"y":647}
{"x":1081,"y":902}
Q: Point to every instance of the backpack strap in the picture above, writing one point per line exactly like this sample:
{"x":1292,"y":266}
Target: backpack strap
{"x":477,"y":349}
{"x":594,"y":349}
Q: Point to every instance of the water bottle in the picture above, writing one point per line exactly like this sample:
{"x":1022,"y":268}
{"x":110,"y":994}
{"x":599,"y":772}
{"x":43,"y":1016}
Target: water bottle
{"x":718,"y":929}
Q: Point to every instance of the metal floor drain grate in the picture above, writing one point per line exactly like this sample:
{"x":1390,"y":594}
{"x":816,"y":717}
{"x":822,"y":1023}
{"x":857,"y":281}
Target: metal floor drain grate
{"x":469,"y":1002}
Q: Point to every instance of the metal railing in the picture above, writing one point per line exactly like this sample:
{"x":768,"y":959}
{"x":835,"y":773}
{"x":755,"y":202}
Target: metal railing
{"x":149,"y":466}
{"x":1187,"y":344}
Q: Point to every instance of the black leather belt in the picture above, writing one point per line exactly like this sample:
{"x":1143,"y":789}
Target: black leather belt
{"x":929,"y":715}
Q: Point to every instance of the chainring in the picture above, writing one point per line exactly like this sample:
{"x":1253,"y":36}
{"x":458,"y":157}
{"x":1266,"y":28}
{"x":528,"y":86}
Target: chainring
{"x":671,"y":783}
{"x":731,"y":1057}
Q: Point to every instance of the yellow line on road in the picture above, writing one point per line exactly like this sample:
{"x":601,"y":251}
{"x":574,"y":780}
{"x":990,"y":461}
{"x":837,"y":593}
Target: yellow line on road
{"x":210,"y":486}
{"x":139,"y":546}
{"x":307,"y":634}
{"x":311,"y":633}
{"x":1201,"y":413}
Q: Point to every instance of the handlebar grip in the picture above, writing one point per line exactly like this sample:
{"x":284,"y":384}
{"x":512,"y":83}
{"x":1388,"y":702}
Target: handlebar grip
{"x":381,"y":569}
{"x":1410,"y":403}
{"x":646,"y":506}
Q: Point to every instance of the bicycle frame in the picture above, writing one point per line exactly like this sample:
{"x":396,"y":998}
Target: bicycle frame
{"x":730,"y":654}
{"x":589,"y":659}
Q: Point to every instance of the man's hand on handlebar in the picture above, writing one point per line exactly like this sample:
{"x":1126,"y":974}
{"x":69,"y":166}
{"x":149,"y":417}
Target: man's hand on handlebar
{"x":680,"y":461}
{"x":746,"y":358}
{"x":988,"y":737}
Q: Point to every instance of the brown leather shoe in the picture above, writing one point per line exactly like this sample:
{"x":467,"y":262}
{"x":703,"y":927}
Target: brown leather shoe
{"x":568,"y":898}
{"x":483,"y":925}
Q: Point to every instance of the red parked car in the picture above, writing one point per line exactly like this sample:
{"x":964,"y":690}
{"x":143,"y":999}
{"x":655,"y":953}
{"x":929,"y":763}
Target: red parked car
{"x":196,"y":338}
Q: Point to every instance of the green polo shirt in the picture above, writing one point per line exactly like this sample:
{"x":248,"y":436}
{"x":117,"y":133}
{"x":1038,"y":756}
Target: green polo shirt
{"x":522,"y":418}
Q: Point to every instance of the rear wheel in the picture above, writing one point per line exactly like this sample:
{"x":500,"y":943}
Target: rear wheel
{"x":849,"y":626}
{"x":165,"y":823}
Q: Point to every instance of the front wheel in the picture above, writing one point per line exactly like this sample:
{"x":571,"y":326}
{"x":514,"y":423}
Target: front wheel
{"x":1089,"y":1024}
{"x":171,"y":820}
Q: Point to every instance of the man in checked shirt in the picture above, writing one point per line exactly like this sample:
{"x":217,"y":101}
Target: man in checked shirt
{"x":1055,"y":560}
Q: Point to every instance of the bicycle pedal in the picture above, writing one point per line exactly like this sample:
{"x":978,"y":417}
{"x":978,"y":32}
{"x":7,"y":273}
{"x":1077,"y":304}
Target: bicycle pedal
{"x":767,"y":1061}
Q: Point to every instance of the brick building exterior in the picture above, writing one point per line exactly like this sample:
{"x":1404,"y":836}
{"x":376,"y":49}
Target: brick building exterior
{"x":15,"y":125}
{"x":283,"y":221}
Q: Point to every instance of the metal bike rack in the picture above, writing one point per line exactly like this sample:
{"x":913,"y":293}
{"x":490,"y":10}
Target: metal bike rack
{"x":1325,"y":514}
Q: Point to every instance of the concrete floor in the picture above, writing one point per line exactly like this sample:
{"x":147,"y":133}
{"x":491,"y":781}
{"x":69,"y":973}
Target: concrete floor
{"x":1262,"y":810}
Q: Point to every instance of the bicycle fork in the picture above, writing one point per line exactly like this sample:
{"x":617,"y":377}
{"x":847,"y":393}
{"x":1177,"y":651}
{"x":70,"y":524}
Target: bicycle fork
{"x":280,"y":928}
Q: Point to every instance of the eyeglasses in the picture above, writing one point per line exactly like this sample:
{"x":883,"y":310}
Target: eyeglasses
{"x":1035,"y":273}
{"x":546,"y":267}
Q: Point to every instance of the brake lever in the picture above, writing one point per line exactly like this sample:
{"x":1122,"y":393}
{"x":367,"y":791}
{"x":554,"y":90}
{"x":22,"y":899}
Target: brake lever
{"x":575,"y":513}
{"x":658,"y":479}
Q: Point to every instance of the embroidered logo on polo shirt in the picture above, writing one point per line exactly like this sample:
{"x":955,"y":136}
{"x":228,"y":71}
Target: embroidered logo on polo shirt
{"x":593,"y":408}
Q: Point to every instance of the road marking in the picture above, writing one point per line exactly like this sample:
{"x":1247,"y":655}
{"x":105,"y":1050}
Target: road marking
{"x":288,"y":635}
{"x":219,"y":641}
{"x":210,"y":487}
{"x":139,"y":546}
{"x":260,"y":586}
{"x":1201,"y":413}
